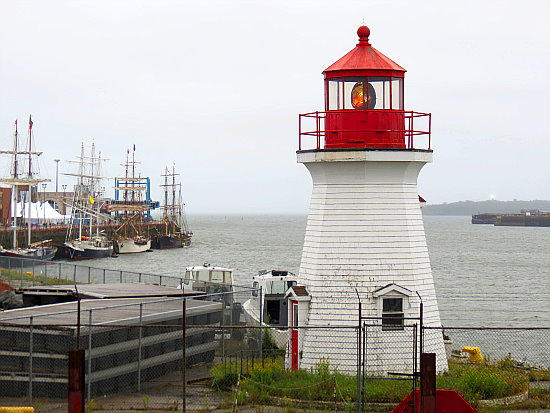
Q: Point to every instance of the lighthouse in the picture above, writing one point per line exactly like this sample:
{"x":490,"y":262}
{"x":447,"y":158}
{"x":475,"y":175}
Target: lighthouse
{"x":364,"y":240}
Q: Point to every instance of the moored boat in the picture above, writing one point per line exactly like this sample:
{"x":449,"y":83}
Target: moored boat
{"x":215,"y":280}
{"x":268,"y":304}
{"x":132,"y":245}
{"x":175,"y":232}
{"x":24,"y":183}
{"x":89,"y":248}
{"x":130,"y":237}
{"x":36,"y":251}
{"x":83,"y":240}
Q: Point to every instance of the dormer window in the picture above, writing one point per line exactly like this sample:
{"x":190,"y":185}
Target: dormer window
{"x":393,"y":304}
{"x":392,"y":314}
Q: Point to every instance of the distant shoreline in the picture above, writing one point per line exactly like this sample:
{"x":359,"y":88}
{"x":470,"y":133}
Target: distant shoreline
{"x":468,"y":208}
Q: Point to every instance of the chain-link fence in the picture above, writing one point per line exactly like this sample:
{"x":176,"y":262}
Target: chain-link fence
{"x":134,"y":355}
{"x":156,"y":352}
{"x":526,"y":346}
{"x":24,"y":272}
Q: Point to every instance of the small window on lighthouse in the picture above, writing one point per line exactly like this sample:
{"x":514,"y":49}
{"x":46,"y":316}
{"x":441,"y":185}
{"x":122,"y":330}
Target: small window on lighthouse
{"x":392,"y":314}
{"x":397,"y":93}
{"x":381,"y":89}
{"x":335,"y":92}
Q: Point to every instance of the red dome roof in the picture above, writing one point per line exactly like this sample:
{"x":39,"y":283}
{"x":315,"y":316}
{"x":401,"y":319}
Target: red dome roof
{"x":364,"y":57}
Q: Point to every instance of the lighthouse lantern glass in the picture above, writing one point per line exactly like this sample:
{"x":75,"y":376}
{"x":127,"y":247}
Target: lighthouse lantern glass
{"x":397,"y":93}
{"x":349,"y":93}
{"x":335,"y":94}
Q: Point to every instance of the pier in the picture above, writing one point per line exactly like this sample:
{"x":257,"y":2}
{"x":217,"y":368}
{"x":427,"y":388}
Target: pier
{"x":57,"y":233}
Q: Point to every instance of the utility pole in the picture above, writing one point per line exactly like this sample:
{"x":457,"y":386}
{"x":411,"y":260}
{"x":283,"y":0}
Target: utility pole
{"x":56,"y":174}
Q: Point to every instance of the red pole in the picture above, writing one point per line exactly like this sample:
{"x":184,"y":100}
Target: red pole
{"x":300,"y":132}
{"x":294,"y":349}
{"x":318,"y":122}
{"x":429,"y":131}
{"x":76,"y":381}
{"x":427,"y":383}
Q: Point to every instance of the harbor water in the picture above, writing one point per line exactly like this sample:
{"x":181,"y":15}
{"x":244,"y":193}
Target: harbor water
{"x":485,"y":276}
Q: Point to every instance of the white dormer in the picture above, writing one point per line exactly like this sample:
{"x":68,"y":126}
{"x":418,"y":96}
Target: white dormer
{"x":393,"y":304}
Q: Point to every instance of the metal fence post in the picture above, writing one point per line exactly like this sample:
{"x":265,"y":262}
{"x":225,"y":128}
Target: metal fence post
{"x":261,"y":344}
{"x":359,"y":347}
{"x":104,"y":275}
{"x":184,"y":355}
{"x":89,"y":274}
{"x":74,"y":273}
{"x":30,"y":359}
{"x":59,"y":273}
{"x":140,"y":332}
{"x":223,"y":340}
{"x":89,"y":395}
{"x":121,"y":276}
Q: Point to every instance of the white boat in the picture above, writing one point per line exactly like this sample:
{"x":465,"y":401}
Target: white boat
{"x":133,"y":245}
{"x":214,"y":280}
{"x":268,"y":305}
{"x":88,"y":248}
{"x":83,"y":241}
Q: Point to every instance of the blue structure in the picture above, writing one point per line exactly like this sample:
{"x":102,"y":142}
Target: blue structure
{"x":137,"y":182}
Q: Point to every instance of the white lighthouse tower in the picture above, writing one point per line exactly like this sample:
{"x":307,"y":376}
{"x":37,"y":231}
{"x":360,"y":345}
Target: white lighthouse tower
{"x":365,"y":238}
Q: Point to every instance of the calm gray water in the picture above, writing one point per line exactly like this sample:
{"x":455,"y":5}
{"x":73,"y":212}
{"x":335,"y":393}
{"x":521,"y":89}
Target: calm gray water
{"x":484,"y":275}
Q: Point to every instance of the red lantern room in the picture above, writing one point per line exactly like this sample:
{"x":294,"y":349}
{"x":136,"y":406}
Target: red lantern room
{"x":364,"y":102}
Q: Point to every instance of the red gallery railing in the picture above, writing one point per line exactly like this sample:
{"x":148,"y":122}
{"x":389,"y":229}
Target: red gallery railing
{"x":415,"y":132}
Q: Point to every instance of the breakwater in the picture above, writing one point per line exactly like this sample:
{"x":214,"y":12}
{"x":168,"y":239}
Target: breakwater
{"x":513,"y":220}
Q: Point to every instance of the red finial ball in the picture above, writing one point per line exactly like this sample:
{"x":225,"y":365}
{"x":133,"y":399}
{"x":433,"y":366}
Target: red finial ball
{"x":363,"y":32}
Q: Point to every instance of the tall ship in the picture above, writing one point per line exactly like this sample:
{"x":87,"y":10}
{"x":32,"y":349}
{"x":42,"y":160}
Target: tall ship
{"x":84,"y":240}
{"x":129,"y":210}
{"x":24,"y":181}
{"x":175,"y":231}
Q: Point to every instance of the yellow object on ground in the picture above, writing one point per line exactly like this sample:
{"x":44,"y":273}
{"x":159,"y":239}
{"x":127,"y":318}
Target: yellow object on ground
{"x":475,"y":354}
{"x":16,"y":409}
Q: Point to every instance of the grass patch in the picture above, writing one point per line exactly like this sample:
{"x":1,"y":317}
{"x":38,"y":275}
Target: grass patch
{"x":483,"y":381}
{"x":27,"y":276}
{"x":324,"y":384}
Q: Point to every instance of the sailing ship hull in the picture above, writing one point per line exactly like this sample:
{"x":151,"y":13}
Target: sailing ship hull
{"x":86,"y":252}
{"x":130,"y":246}
{"x":25,"y":257}
{"x":162,"y":242}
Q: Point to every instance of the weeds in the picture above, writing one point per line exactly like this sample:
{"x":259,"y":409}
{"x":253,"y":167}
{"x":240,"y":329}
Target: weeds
{"x":324,"y":383}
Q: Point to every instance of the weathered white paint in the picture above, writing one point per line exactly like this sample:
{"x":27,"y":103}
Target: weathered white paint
{"x":365,"y":231}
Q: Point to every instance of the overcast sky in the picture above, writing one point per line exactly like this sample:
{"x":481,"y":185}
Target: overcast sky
{"x":217,"y":86}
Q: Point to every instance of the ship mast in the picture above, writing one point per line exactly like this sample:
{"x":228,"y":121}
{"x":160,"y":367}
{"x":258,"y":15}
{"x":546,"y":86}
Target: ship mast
{"x":14,"y":189}
{"x":29,"y":182}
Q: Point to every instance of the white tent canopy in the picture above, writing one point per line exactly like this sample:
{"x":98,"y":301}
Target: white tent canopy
{"x":38,"y":212}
